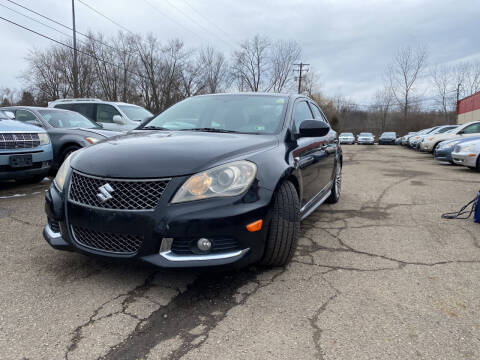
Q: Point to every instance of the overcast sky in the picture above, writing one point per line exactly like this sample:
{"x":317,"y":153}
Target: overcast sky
{"x":347,"y":43}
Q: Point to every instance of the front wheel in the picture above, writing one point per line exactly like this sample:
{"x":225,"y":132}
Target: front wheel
{"x":337,"y":185}
{"x":284,"y":227}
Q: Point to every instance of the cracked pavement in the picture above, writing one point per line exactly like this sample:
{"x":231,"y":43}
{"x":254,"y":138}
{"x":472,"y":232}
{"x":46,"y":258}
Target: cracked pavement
{"x":377,"y":276}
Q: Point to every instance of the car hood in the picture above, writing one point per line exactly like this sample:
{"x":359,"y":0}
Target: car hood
{"x":154,"y":154}
{"x":14,"y":125}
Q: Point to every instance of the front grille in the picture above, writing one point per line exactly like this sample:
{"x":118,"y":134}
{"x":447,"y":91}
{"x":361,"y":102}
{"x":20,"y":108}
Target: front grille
{"x":126,"y":244}
{"x":187,"y":246}
{"x":123,"y":194}
{"x":9,"y":141}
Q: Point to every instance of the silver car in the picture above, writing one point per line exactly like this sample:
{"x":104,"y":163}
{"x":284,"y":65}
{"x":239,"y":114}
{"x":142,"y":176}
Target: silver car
{"x":365,"y":138}
{"x":467,"y":153}
{"x":346,"y":138}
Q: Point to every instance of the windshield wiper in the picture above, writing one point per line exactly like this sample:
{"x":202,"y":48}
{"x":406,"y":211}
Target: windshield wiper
{"x":207,"y":129}
{"x":152,"y":127}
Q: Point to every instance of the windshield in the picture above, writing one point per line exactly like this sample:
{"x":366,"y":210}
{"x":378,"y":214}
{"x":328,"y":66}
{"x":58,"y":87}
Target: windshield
{"x":389,"y":134}
{"x":365,"y":134}
{"x":3,"y":115}
{"x":233,"y":113}
{"x":346,"y":134}
{"x":446,"y":129}
{"x":67,"y":119}
{"x":135,"y":113}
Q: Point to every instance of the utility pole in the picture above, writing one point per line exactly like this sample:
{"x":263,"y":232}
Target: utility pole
{"x":75,"y":63}
{"x":300,"y":70}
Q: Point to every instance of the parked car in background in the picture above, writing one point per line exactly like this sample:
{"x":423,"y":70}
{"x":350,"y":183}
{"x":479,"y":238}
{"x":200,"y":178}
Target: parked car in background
{"x":465,"y":130}
{"x":68,"y":130}
{"x":365,"y":138}
{"x":25,"y":151}
{"x":231,"y":186}
{"x":346,"y":138}
{"x":438,"y":130}
{"x":467,"y":154}
{"x":406,"y":137}
{"x":387,"y":138}
{"x":412,"y":140}
{"x":116,"y":116}
{"x":443,"y":152}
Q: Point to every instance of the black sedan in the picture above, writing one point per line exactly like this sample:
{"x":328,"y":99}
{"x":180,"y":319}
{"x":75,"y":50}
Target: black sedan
{"x":68,"y":130}
{"x":213,"y":180}
{"x":387,"y":138}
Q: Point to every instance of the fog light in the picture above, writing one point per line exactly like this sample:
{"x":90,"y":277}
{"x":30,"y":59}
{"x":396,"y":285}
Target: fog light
{"x":204,"y":244}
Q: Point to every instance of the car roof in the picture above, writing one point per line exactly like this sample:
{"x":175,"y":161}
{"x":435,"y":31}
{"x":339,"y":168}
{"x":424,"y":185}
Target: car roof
{"x":35,"y":108}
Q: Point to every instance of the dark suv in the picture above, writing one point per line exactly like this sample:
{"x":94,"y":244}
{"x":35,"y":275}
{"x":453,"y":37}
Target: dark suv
{"x":213,"y":180}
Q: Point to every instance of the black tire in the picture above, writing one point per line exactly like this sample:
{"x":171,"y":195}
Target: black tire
{"x":67,"y":152}
{"x":31,"y":180}
{"x":478,"y":164}
{"x":284,"y":227}
{"x":337,"y":185}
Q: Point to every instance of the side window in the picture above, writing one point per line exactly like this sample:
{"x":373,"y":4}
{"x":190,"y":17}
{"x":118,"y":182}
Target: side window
{"x":105,"y":113}
{"x":302,"y":112}
{"x":84,"y":109}
{"x":318,"y":114}
{"x":24,"y":115}
{"x":63,"y":106}
{"x":472,"y":129}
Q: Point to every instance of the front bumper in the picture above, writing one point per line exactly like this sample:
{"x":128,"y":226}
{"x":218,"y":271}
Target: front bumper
{"x":426,"y":146}
{"x":347,"y":141}
{"x":41,"y":162}
{"x":386,"y":141}
{"x":365,"y":142}
{"x":466,"y":159}
{"x":166,"y":226}
{"x":443,"y":155}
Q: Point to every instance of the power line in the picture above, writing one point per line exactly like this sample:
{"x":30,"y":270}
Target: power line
{"x":71,"y":47}
{"x":173,"y":20}
{"x":197,"y":23}
{"x":35,"y":20}
{"x":106,"y":17}
{"x":206,"y":19}
{"x":56,"y":22}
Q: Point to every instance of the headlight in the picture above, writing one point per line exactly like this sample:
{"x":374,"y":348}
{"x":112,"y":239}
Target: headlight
{"x":466,"y":148}
{"x":225,"y":180}
{"x":92,"y":140}
{"x":63,"y":172}
{"x":44,"y":138}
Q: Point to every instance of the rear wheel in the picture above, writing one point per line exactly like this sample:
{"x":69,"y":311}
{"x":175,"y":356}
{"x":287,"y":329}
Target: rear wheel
{"x":284,"y":227}
{"x":337,"y":185}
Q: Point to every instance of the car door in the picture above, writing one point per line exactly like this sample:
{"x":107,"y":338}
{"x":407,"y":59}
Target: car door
{"x":104,"y":116}
{"x":332,"y":145}
{"x":309,"y":155}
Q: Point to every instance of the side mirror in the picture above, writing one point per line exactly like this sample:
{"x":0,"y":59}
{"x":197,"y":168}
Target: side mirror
{"x":117,"y":119}
{"x":313,"y":128}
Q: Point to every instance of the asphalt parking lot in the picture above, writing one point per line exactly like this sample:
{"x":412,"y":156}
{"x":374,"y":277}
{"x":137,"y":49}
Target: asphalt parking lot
{"x":377,"y":276}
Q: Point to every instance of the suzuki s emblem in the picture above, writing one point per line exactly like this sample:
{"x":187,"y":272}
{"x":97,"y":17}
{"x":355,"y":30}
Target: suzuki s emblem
{"x":105,"y":193}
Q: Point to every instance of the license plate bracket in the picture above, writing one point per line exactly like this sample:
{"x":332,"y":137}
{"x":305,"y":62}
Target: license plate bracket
{"x":20,"y":161}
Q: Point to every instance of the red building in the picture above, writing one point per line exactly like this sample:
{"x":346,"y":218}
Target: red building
{"x":468,"y":109}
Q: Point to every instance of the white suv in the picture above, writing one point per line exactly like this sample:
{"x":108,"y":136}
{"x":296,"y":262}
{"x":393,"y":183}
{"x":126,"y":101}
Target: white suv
{"x":117,"y":116}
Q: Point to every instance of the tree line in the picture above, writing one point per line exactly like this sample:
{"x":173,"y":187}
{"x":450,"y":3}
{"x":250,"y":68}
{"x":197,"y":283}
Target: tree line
{"x":147,"y":71}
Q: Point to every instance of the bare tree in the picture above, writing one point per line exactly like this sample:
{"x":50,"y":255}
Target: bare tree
{"x":250,"y":64}
{"x":442,"y":80}
{"x":282,"y":56}
{"x":407,"y":66}
{"x":214,"y":69}
{"x":384,"y":99}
